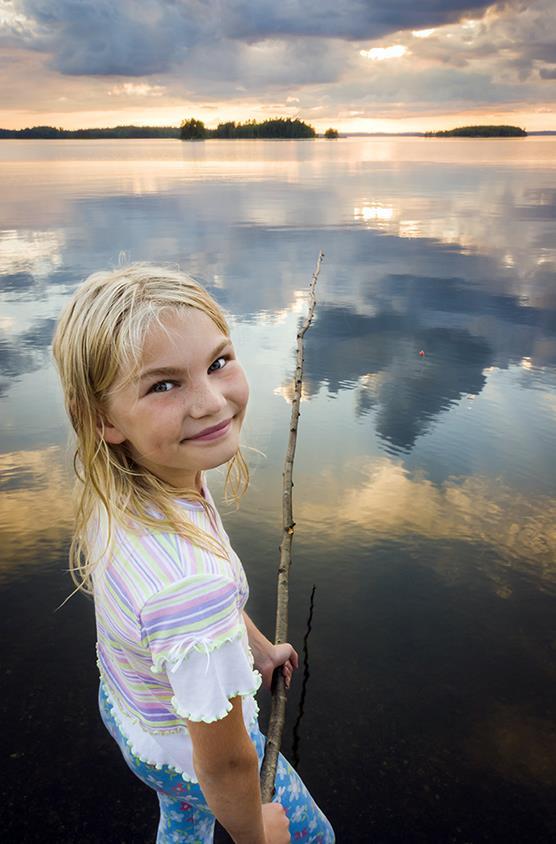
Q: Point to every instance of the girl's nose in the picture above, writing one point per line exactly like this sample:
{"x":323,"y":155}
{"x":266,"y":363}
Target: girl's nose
{"x":207,"y":400}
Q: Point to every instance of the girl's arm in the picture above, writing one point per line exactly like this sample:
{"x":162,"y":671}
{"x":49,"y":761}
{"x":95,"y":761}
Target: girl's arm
{"x":267,"y":656}
{"x":227,"y":767}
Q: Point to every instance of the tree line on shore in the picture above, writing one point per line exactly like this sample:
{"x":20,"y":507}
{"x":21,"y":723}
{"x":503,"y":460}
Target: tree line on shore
{"x":195,"y":130}
{"x":189,"y":130}
{"x":114,"y":132}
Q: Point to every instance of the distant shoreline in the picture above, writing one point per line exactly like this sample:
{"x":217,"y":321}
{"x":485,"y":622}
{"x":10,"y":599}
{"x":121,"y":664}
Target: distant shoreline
{"x":172,"y":132}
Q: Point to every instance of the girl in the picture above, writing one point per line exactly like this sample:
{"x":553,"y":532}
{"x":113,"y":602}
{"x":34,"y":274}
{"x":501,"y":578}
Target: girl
{"x":156,"y":397}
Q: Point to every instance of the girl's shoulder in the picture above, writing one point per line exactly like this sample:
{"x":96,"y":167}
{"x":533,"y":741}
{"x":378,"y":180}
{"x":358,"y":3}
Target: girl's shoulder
{"x":145,"y":560}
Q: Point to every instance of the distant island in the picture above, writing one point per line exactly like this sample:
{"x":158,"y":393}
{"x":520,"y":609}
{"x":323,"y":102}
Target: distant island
{"x":480,"y":132}
{"x":278,"y":127}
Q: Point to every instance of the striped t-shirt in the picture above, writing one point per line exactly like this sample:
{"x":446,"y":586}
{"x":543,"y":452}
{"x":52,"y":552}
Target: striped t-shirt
{"x":171,"y":639}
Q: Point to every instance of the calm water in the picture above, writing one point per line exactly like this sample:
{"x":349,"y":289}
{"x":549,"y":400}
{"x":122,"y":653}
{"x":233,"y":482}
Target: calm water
{"x":424,"y":485}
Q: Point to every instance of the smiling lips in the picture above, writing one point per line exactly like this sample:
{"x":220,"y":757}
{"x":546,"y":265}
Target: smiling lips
{"x":212,"y":433}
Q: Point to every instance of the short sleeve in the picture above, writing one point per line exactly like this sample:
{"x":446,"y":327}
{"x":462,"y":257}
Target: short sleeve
{"x":196,"y":635}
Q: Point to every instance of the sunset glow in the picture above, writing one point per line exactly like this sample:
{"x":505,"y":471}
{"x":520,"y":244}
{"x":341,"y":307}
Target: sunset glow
{"x":379,"y":54}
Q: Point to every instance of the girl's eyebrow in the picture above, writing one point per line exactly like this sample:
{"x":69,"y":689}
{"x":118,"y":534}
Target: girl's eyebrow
{"x":173,"y":371}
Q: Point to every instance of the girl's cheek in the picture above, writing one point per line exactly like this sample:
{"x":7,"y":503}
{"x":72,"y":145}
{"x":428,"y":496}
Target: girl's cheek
{"x":243,"y":391}
{"x":243,"y":399}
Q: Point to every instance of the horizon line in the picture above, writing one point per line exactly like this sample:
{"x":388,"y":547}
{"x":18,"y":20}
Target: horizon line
{"x":415,"y":133}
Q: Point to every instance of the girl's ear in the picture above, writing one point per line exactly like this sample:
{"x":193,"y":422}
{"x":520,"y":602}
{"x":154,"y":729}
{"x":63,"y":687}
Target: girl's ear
{"x":109,"y":433}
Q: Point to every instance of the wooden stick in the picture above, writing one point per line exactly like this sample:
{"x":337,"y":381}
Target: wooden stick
{"x":279,"y":695}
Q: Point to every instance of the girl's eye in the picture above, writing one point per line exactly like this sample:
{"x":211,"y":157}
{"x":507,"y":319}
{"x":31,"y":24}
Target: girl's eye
{"x":162,"y":387}
{"x":219,"y":363}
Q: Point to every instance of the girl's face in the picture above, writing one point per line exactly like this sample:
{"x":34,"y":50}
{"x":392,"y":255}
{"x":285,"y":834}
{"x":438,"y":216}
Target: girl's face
{"x":184,"y":411}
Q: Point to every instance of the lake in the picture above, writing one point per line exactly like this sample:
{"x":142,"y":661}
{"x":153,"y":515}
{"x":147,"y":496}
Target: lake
{"x":424,"y":484}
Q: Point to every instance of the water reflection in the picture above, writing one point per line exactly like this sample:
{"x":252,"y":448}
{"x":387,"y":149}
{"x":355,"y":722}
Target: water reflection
{"x":378,"y":500}
{"x":28,"y":256}
{"x":164,"y":205}
{"x":23,"y":352}
{"x":477,"y":218}
{"x":424,"y":486}
{"x":518,"y":745}
{"x":390,"y":503}
{"x":35,"y":506}
{"x":464,"y":331}
{"x":380,"y":355}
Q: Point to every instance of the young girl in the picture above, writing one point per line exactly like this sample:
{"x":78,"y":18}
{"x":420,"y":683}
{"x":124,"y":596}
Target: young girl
{"x":156,"y":396}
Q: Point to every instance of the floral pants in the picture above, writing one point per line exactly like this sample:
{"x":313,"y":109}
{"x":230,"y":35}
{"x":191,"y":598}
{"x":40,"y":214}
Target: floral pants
{"x":185,"y":817}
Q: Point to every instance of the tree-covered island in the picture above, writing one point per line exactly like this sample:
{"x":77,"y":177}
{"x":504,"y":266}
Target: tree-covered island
{"x":277,"y":127}
{"x":480,"y":132}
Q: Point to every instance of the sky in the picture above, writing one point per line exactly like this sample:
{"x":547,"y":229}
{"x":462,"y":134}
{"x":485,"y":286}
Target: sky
{"x":355,"y":65}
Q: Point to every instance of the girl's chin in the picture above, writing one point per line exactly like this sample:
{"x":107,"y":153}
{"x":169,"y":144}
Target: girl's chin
{"x":217,"y":454}
{"x":223,"y":457}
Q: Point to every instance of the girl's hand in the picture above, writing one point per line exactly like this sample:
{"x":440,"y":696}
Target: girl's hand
{"x":267,"y":656}
{"x":274,"y":656}
{"x":276,"y":824}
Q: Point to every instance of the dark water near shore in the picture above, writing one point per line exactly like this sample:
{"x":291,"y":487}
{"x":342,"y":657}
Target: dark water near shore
{"x":424,"y":486}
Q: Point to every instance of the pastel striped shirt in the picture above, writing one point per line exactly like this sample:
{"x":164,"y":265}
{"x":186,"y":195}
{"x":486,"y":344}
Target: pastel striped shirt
{"x":171,"y":639}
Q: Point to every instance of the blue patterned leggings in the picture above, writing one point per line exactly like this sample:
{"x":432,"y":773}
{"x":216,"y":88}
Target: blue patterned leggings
{"x":185,"y":817}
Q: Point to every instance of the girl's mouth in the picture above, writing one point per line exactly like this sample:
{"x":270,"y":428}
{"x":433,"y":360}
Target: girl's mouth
{"x":212,"y":433}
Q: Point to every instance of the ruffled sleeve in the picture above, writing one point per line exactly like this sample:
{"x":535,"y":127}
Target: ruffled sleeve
{"x":196,"y":636}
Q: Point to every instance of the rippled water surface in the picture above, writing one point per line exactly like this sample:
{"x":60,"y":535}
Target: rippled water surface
{"x":424,"y":484}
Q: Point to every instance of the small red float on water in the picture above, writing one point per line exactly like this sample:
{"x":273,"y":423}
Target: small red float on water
{"x":421,"y":354}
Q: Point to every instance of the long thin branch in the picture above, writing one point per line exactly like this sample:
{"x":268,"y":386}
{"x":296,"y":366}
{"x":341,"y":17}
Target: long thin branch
{"x":279,"y":695}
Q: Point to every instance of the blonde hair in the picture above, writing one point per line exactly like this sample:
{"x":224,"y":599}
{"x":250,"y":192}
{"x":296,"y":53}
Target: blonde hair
{"x":100,"y":334}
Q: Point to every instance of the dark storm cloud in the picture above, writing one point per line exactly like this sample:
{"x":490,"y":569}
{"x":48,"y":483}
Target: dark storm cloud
{"x":351,"y":20}
{"x":144,"y":37}
{"x":107,"y":38}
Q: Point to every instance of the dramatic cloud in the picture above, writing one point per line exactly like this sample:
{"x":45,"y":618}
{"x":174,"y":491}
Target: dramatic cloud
{"x":350,"y":20}
{"x":346,"y":61}
{"x":105,"y":38}
{"x":140,"y":37}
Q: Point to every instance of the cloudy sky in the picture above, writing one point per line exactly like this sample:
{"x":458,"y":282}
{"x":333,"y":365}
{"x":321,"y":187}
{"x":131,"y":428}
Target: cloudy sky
{"x":358,"y":65}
